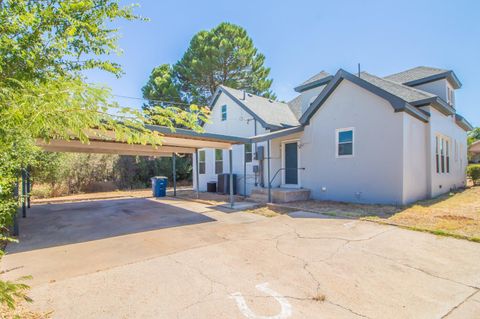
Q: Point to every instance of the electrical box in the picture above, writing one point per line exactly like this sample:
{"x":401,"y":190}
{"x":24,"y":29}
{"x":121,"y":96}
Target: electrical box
{"x":260,"y":153}
{"x":255,"y":168}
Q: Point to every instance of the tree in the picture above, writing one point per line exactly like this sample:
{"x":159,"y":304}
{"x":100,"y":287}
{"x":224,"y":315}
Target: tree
{"x":44,"y":47}
{"x":224,"y":55}
{"x":161,"y":86}
{"x":474,"y":135}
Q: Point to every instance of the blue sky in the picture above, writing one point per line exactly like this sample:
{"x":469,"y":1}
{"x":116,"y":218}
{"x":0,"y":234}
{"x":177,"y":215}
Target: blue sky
{"x":300,"y":38}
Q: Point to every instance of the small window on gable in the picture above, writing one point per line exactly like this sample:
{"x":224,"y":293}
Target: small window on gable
{"x":344,"y":147}
{"x":201,"y":162}
{"x":218,"y":161}
{"x":224,"y":112}
{"x":248,"y":153}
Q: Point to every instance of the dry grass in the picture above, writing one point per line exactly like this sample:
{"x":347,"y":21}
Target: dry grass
{"x":454,"y":214}
{"x":340,"y":209}
{"x":270,"y":211}
{"x":319,"y":297}
{"x":21,"y":312}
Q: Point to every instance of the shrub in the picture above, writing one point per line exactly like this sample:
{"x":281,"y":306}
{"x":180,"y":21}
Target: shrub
{"x":473,"y":172}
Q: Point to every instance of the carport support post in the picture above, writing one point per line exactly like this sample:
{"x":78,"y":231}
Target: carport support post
{"x":244,"y":171}
{"x":196,"y":174}
{"x":268,"y":173}
{"x":29,"y":187}
{"x":24,"y":193}
{"x":230,"y":160}
{"x":174,"y":174}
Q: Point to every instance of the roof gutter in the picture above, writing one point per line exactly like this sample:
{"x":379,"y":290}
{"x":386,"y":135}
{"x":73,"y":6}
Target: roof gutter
{"x":463,"y":123}
{"x":449,"y":75}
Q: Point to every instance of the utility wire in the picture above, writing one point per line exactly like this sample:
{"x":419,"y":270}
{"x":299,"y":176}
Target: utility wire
{"x":151,"y":100}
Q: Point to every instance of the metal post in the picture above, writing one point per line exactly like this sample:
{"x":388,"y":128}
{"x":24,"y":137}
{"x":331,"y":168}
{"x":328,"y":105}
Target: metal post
{"x":29,"y":186}
{"x":196,"y":173}
{"x":174,"y":169}
{"x":268,"y":173}
{"x":245,"y":171}
{"x":230,"y":159}
{"x":24,"y":193}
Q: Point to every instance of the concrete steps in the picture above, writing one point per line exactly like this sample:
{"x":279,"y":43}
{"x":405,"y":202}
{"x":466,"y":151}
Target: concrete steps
{"x":279,"y":195}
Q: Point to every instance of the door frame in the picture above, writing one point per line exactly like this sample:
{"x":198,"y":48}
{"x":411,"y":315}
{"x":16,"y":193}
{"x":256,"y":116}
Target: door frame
{"x":282,"y":164}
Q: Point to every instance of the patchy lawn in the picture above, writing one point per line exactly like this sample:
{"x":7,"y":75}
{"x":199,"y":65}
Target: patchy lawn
{"x":270,"y":210}
{"x":454,"y":214}
{"x":341,"y":209}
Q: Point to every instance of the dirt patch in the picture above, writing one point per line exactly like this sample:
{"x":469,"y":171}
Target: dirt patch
{"x":454,"y":214}
{"x":270,"y":211}
{"x":341,"y":209}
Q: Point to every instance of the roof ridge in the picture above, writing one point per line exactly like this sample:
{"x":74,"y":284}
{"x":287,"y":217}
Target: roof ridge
{"x":402,"y":85}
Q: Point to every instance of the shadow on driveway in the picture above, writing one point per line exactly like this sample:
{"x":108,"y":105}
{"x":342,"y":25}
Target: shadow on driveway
{"x":68,"y":223}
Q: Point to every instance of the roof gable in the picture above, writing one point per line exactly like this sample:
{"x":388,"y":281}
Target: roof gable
{"x":270,"y":114}
{"x":318,"y":79}
{"x":422,"y":74}
{"x":398,"y":104}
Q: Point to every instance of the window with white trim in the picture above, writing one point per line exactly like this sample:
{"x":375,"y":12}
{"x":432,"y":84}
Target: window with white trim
{"x":201,"y":162}
{"x":248,"y":153}
{"x":344,"y":142}
{"x":218,"y":161}
{"x":442,"y":154}
{"x":224,"y":112}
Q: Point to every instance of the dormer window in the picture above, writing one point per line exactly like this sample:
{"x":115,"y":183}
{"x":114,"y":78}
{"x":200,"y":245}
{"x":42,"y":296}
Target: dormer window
{"x":224,"y":112}
{"x":450,"y":96}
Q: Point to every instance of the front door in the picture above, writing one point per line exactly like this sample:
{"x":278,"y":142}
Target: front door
{"x":291,"y":163}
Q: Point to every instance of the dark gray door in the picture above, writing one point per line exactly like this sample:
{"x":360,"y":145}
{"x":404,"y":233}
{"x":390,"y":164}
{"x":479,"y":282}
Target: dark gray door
{"x":291,"y":163}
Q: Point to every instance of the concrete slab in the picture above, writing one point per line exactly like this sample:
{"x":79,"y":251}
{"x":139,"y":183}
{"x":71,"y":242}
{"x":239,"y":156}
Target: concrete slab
{"x":247,"y":266}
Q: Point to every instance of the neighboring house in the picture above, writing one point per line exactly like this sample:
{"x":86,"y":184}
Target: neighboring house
{"x":474,"y":151}
{"x":346,"y":137}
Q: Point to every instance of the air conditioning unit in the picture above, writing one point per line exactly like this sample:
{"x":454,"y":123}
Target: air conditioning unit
{"x":223,"y":184}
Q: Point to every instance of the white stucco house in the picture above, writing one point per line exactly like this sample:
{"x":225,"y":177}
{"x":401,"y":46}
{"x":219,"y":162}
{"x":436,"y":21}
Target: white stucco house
{"x":345,"y":137}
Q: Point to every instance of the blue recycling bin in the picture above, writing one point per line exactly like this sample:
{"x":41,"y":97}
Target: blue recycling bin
{"x":159,"y":186}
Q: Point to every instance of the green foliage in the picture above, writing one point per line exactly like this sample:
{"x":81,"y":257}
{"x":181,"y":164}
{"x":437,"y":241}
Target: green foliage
{"x":45,"y":38}
{"x":224,"y":55}
{"x":10,"y":292}
{"x":474,"y":135}
{"x":161,"y":86}
{"x":44,"y":47}
{"x":473,"y":172}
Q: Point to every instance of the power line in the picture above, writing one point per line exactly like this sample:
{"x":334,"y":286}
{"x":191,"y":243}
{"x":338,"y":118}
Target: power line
{"x":151,"y":100}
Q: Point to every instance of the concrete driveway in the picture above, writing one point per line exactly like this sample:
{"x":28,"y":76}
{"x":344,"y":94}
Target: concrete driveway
{"x":143,"y":258}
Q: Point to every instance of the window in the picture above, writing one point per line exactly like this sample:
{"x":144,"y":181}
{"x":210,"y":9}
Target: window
{"x":248,"y":153}
{"x":201,"y":162}
{"x":218,"y":161}
{"x":344,"y":142}
{"x":224,"y":112}
{"x":442,"y":154}
{"x":450,"y":96}
{"x":447,"y":156}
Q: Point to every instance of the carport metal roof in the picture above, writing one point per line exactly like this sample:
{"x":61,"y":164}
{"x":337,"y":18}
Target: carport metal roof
{"x":180,"y":141}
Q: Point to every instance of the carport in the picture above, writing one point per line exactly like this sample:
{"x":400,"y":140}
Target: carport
{"x":179,"y":141}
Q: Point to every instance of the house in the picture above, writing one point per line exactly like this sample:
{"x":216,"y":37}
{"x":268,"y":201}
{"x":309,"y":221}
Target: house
{"x":474,"y":151}
{"x":345,"y":137}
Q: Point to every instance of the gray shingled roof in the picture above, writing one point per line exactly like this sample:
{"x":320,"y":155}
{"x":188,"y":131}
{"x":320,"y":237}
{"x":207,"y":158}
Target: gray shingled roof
{"x":271,"y":112}
{"x":404,"y":92}
{"x":420,"y":72}
{"x":295,"y":106}
{"x":321,"y":75}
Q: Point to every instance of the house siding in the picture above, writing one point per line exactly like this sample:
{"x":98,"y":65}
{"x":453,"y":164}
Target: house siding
{"x":239,"y":123}
{"x":375,"y":173}
{"x":445,"y":126}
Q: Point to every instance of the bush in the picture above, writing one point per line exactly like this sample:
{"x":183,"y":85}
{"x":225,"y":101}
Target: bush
{"x":473,"y":172}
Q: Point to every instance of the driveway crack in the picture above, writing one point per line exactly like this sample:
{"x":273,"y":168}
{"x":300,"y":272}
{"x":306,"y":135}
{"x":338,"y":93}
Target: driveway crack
{"x":460,"y":304}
